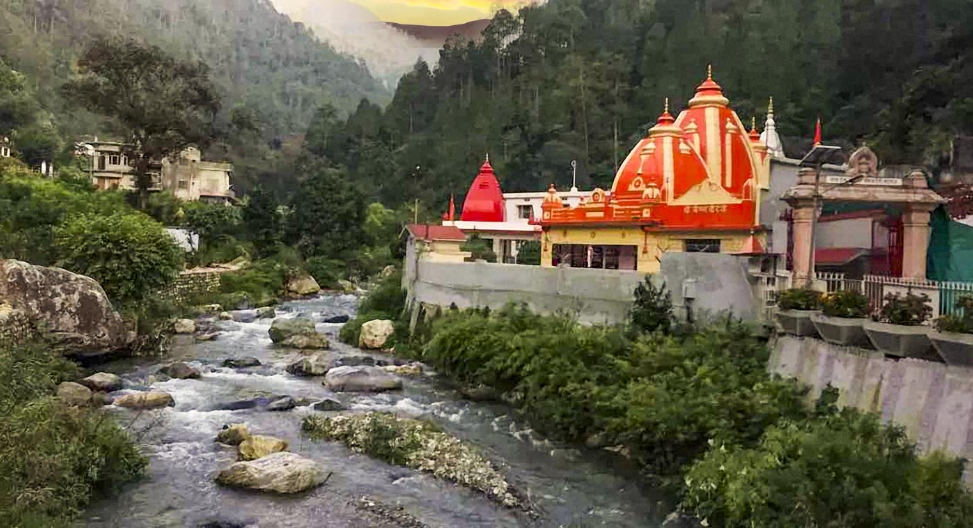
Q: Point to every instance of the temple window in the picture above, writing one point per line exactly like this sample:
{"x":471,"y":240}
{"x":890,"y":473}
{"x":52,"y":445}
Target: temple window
{"x":703,"y":245}
{"x":525,"y":212}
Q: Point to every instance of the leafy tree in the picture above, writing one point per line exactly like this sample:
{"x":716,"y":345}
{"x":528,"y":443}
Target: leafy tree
{"x":163,"y":104}
{"x":529,"y":253}
{"x":327,"y":214}
{"x":479,"y":248}
{"x":36,"y":144}
{"x":262,"y":222}
{"x":212,"y":222}
{"x":129,"y":254}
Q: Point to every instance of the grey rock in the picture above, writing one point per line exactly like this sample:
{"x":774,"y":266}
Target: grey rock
{"x":282,"y":329}
{"x":266,"y":312}
{"x":360,"y":378}
{"x":244,"y":316}
{"x":306,"y":341}
{"x":329,"y":404}
{"x":302,"y":286}
{"x":246,"y":361}
{"x":310,"y":366}
{"x":72,"y":309}
{"x":180,"y":370}
{"x":282,"y":404}
{"x":107,"y":382}
{"x":341,"y":318}
{"x":282,"y":472}
{"x":353,"y":360}
{"x":184,"y":326}
{"x":73,"y":394}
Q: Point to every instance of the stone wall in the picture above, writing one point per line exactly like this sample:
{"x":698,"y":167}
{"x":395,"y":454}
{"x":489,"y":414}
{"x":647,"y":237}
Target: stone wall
{"x":932,"y":401}
{"x":595,"y":296}
{"x":191,"y":283}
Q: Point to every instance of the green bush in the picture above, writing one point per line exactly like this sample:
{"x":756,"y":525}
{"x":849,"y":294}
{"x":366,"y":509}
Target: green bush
{"x":327,"y":272}
{"x":799,"y":299}
{"x":384,"y":302}
{"x":844,"y":469}
{"x":53,"y":459}
{"x":962,"y":322}
{"x":529,"y":253}
{"x":845,"y":304}
{"x":905,"y":310}
{"x":652,"y":310}
{"x":129,"y":254}
{"x":479,"y":248}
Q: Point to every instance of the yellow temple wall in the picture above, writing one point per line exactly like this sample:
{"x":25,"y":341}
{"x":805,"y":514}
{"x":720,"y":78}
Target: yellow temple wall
{"x":650,"y":246}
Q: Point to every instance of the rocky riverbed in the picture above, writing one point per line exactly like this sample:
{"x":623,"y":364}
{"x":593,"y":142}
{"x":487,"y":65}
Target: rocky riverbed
{"x":565,"y":486}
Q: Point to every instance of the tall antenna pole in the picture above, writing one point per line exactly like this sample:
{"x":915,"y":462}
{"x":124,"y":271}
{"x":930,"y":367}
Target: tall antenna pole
{"x":574,"y":176}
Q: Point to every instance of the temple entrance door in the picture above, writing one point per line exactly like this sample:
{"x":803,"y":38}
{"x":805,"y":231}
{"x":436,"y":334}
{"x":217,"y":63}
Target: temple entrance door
{"x":895,"y":249}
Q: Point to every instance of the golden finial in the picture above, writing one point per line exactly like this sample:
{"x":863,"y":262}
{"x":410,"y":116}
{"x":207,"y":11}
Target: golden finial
{"x":709,"y":72}
{"x":753,"y":123}
{"x":666,"y":111}
{"x":770,"y":106}
{"x":487,"y":157}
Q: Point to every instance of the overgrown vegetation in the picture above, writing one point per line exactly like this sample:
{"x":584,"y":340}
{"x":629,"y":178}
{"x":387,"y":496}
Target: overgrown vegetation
{"x":697,"y":409}
{"x":415,"y":444}
{"x":960,"y":323}
{"x":53,"y":459}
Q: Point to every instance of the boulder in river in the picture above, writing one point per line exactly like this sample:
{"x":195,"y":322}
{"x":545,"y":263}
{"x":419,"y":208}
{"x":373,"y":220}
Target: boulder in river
{"x":72,"y":309}
{"x":266,"y":312}
{"x":244,"y":316}
{"x":233,"y":434}
{"x":360,"y":378}
{"x":184,"y":326}
{"x":340,"y":318}
{"x":145,"y":400}
{"x":180,"y":370}
{"x":245,"y":361}
{"x":329,"y":404}
{"x":225,"y":316}
{"x":310,"y":366}
{"x":282,"y":404}
{"x":306,"y":341}
{"x":353,"y":360}
{"x":100,"y":398}
{"x":375,"y":333}
{"x":207,"y":336}
{"x":413,"y":370}
{"x":257,"y":446}
{"x":303,"y":285}
{"x":346,"y":286}
{"x":283,"y":328}
{"x":107,"y":382}
{"x":73,"y":394}
{"x":281,"y":472}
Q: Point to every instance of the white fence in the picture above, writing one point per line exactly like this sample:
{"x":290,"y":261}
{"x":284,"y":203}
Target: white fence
{"x":943,"y":295}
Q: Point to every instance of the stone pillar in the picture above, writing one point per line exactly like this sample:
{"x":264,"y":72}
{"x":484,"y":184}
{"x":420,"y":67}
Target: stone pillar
{"x":803,"y":216}
{"x":915,"y":241}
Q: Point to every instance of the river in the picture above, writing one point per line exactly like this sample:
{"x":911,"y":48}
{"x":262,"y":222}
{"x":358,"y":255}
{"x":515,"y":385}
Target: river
{"x":586,"y":488}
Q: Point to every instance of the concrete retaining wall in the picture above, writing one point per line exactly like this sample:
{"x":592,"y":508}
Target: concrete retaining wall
{"x":594,"y":296}
{"x":932,"y":401}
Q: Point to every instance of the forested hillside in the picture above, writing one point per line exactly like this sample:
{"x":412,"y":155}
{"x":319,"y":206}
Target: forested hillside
{"x":273,"y":73}
{"x":582,"y":79}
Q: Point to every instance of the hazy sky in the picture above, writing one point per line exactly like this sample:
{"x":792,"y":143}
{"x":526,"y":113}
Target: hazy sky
{"x":435,"y":12}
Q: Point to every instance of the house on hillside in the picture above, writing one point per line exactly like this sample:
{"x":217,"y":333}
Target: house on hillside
{"x":4,"y":147}
{"x":186,"y":175}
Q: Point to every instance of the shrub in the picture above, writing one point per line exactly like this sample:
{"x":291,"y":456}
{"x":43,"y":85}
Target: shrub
{"x":905,"y":310}
{"x":962,"y":322}
{"x":799,"y":299}
{"x":840,"y":469}
{"x":845,"y":304}
{"x":479,"y":248}
{"x":129,"y":254}
{"x":529,"y":253}
{"x":259,"y":284}
{"x":53,"y":459}
{"x":384,"y":302}
{"x":652,"y":310}
{"x":327,"y":272}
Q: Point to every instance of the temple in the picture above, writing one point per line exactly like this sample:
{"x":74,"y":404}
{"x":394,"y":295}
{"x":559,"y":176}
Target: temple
{"x":693,"y":184}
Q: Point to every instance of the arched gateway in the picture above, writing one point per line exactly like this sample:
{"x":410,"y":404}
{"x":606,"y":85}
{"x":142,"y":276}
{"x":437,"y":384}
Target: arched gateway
{"x":862,"y":184}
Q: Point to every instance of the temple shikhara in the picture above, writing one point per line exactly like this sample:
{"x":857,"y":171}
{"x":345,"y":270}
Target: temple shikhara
{"x":693,"y":184}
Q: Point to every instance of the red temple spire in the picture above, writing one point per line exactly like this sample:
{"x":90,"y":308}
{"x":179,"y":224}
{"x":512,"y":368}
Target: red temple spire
{"x":817,"y":132}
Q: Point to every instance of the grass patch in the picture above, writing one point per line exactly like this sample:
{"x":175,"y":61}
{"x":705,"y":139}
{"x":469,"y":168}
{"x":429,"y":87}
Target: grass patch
{"x":53,"y":459}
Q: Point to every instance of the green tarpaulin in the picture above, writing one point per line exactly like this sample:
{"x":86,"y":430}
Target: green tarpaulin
{"x":950,"y":256}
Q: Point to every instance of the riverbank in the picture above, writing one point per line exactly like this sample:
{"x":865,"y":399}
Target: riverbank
{"x":54,"y":458}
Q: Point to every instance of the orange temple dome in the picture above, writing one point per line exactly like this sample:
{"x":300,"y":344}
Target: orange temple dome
{"x":484,"y":201}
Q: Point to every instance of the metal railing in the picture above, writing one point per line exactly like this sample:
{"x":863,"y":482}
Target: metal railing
{"x":943,"y":295}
